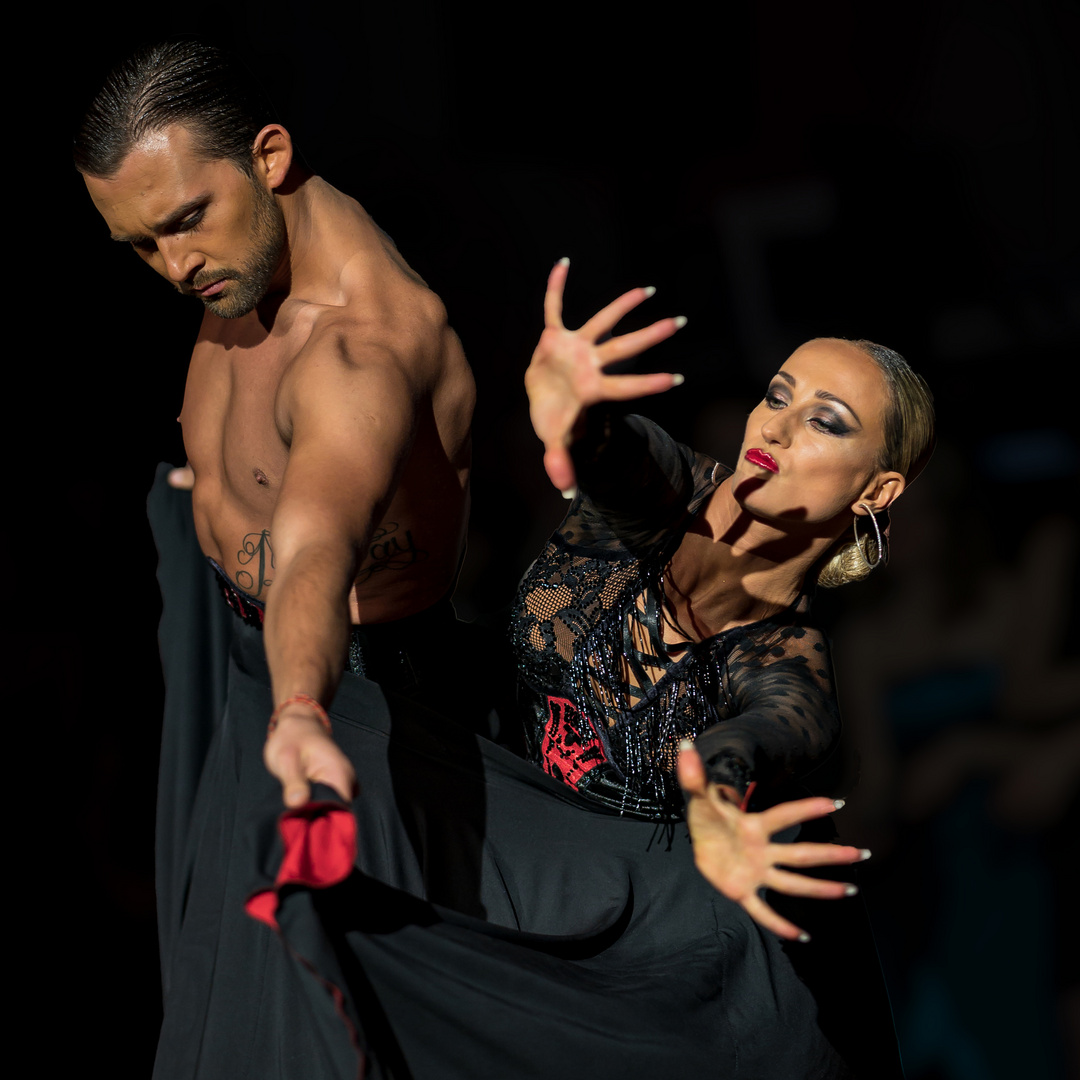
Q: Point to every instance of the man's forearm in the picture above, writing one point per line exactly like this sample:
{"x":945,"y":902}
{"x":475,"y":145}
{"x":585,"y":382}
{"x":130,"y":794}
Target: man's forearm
{"x":307,"y":621}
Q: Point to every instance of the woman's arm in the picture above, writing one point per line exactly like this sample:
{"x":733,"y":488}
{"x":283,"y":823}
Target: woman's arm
{"x":783,"y":722}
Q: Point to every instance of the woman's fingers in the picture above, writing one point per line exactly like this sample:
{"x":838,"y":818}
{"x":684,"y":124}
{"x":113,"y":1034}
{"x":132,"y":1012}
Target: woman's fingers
{"x":764,"y":915}
{"x":815,"y":854}
{"x":784,"y":881}
{"x":627,"y":345}
{"x":605,"y":320}
{"x":627,"y":387}
{"x":690,"y":770}
{"x":553,"y":297}
{"x":786,"y":814}
{"x":559,"y":466}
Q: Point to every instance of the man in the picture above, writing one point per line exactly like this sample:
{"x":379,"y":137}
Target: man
{"x":326,"y":420}
{"x":328,"y":403}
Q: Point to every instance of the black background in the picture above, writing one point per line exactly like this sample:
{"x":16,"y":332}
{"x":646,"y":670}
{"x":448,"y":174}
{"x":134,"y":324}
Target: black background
{"x":903,"y":172}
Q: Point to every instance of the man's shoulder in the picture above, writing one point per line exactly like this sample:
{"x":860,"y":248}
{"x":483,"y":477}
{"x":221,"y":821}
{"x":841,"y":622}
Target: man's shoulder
{"x":357,"y":336}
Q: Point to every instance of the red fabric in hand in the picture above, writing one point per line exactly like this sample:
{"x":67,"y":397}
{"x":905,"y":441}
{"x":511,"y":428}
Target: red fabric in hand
{"x":320,"y":850}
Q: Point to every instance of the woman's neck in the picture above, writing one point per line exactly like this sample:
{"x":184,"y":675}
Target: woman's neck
{"x":732,"y":568}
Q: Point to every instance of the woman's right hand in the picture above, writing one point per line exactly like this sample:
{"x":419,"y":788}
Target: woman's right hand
{"x":567,"y":371}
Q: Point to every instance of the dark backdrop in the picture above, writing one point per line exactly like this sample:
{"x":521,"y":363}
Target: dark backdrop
{"x":779,"y":170}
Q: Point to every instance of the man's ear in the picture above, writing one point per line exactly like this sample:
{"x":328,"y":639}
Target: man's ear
{"x":885,"y":488}
{"x":273,"y":154}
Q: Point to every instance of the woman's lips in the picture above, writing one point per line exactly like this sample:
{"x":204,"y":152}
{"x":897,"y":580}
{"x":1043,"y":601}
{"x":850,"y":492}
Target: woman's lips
{"x":764,"y":460}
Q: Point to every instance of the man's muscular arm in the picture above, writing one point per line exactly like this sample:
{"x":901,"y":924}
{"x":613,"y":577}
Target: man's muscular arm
{"x":352,"y":426}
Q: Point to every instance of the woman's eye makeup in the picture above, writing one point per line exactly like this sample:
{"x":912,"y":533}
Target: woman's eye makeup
{"x":831,"y":423}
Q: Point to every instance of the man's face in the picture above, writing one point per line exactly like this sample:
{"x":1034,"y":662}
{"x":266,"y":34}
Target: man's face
{"x":213,"y":231}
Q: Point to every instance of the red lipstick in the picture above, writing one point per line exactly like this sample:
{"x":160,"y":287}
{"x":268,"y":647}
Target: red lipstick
{"x":762,"y":459}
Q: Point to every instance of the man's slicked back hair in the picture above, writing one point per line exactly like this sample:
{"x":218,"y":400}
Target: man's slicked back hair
{"x":174,"y":82}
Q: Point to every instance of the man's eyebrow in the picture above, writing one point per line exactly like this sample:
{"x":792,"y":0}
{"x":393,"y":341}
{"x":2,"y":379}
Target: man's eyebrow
{"x":169,"y":222}
{"x":823,"y":394}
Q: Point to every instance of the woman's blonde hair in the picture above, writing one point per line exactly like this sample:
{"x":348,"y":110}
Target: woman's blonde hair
{"x":906,"y":448}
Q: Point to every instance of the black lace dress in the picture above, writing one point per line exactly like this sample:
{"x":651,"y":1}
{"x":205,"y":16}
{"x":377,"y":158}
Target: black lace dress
{"x":607,"y":700}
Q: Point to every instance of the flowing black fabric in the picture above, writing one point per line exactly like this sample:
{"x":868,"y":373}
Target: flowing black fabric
{"x":194,"y":639}
{"x":497,"y":924}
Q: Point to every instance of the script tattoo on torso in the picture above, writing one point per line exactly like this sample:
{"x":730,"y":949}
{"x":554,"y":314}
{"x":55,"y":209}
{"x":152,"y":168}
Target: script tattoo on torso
{"x":392,"y":548}
{"x":256,"y":553}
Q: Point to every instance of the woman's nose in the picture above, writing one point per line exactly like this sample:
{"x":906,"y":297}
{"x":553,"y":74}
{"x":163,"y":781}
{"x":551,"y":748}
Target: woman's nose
{"x":776,"y":427}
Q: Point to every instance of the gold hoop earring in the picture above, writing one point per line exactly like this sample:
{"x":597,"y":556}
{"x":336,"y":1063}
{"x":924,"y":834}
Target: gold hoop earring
{"x":877,"y":532}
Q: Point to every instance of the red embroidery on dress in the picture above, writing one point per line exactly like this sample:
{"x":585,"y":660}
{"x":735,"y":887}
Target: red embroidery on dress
{"x":567,"y":752}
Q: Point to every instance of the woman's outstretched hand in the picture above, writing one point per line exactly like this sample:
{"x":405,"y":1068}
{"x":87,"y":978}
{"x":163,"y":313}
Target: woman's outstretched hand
{"x":734,"y":851}
{"x":567,"y":373}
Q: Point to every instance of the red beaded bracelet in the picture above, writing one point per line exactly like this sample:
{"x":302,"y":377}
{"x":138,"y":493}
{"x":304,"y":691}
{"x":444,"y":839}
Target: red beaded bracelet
{"x":300,"y":699}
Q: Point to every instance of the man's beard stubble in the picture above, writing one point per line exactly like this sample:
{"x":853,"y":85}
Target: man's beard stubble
{"x":248,"y":285}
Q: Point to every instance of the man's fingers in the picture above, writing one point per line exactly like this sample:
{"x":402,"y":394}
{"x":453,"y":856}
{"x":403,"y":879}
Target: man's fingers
{"x":627,"y":345}
{"x":287,"y":768}
{"x":764,"y":915}
{"x":785,"y":881}
{"x":183,"y":478}
{"x":553,"y":297}
{"x":786,"y":814}
{"x":814,"y":854}
{"x":336,"y":774}
{"x":605,"y":320}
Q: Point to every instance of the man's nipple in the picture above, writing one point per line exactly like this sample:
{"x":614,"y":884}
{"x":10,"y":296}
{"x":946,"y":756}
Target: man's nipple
{"x":260,"y":477}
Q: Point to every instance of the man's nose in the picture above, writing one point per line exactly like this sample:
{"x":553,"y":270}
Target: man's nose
{"x":181,"y":261}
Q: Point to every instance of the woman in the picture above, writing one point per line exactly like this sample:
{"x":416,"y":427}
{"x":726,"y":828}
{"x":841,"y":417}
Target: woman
{"x":671,"y":604}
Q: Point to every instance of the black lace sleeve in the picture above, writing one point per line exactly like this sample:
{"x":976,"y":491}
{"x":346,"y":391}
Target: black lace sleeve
{"x":637,"y":484}
{"x":783,"y":721}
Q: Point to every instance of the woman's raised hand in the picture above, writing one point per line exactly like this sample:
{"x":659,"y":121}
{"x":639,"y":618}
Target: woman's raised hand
{"x":567,"y":373}
{"x":734,"y":851}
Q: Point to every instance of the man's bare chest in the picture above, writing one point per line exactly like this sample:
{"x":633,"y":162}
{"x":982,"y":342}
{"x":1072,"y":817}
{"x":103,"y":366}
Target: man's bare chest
{"x":236,"y":438}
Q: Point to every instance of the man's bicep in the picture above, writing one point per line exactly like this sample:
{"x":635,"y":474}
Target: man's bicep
{"x":352,"y":430}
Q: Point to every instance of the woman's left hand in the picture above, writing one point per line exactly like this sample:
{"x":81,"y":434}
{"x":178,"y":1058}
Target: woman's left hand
{"x":734,"y":851}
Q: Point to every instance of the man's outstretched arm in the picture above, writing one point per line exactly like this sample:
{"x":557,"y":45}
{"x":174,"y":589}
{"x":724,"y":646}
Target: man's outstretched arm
{"x":352,"y":427}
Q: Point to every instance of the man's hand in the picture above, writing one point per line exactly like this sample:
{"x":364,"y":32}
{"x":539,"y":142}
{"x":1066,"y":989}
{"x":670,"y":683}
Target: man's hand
{"x":300,"y":751}
{"x":734,"y":852}
{"x":182,"y":478}
{"x":566,"y":374}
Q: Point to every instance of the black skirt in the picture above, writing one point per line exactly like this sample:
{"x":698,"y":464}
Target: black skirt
{"x":469,"y":916}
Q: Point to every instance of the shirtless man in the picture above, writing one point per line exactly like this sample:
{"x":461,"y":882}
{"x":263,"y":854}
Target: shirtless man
{"x":328,"y":403}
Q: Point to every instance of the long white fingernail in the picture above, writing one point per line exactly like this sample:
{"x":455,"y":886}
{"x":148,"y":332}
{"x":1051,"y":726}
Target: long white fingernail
{"x":569,"y":493}
{"x":564,"y":261}
{"x":678,"y":380}
{"x":864,"y":854}
{"x":686,"y":744}
{"x":649,"y":290}
{"x":680,"y":321}
{"x":839,"y":804}
{"x":851,"y":890}
{"x":804,"y":937}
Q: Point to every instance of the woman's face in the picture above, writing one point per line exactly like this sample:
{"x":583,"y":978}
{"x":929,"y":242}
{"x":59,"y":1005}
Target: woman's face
{"x":812,"y":446}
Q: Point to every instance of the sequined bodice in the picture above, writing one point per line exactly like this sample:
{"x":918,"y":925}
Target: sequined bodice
{"x":607,"y":701}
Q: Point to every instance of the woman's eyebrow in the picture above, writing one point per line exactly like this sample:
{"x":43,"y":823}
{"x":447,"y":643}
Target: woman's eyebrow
{"x":826,"y":396}
{"x":823,"y":394}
